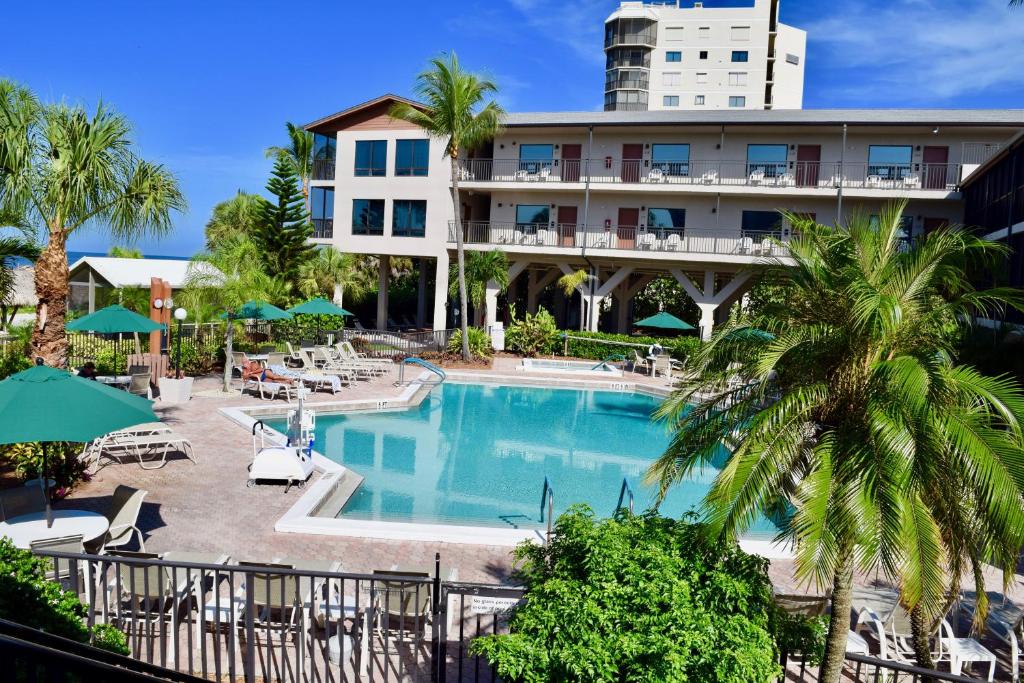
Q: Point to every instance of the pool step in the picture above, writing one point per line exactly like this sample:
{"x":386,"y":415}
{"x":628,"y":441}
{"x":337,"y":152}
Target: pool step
{"x":331,"y":504}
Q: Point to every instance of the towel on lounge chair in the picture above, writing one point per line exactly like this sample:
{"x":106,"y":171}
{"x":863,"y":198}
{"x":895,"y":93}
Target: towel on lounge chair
{"x":333,"y":380}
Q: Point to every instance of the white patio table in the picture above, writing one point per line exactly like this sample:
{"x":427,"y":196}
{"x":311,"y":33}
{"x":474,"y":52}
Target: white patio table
{"x":25,"y":529}
{"x":115,"y":380}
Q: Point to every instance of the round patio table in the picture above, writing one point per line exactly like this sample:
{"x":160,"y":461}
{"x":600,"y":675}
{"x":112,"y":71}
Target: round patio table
{"x":115,"y":380}
{"x":25,"y":529}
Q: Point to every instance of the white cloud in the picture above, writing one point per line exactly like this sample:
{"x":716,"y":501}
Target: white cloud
{"x":577,"y":24}
{"x":917,"y":51}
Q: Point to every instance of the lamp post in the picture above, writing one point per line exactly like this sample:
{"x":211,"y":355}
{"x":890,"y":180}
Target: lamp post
{"x":179,"y":314}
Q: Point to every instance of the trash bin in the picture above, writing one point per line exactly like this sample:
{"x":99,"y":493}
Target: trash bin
{"x":498,"y":336}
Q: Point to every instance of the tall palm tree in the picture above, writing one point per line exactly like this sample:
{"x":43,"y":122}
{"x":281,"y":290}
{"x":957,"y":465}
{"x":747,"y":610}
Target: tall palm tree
{"x":12,"y":250}
{"x":570,"y":283}
{"x":456,"y":113}
{"x":482,"y":267}
{"x":299,"y":154}
{"x":331,"y":273}
{"x":843,"y":410}
{"x":65,"y":170}
{"x":236,"y":276}
{"x":235,"y":216}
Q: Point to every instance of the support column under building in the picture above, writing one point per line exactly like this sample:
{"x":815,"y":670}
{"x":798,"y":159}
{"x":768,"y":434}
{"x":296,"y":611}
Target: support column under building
{"x":421,"y":295}
{"x":383,"y":278}
{"x":706,"y":298}
{"x":441,"y":292}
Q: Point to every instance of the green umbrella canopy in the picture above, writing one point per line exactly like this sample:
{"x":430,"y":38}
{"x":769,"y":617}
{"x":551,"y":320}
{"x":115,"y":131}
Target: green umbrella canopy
{"x":318,"y":306}
{"x":114,"y":319}
{"x":45,"y":404}
{"x":258,"y":310}
{"x":665,"y":321}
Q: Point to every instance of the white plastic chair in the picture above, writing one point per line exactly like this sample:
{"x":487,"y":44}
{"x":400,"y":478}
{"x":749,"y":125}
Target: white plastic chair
{"x":757,"y":177}
{"x":673,"y":242}
{"x":709,"y":177}
{"x":656,"y":175}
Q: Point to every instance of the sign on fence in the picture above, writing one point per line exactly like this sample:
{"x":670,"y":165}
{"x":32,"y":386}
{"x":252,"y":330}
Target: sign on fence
{"x":480,"y":604}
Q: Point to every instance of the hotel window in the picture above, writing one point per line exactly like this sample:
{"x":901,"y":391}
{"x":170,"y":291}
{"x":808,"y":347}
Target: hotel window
{"x":671,"y":159}
{"x":409,"y":218}
{"x":889,"y":162}
{"x":371,"y":157}
{"x":367,"y":216}
{"x":532,"y":158}
{"x":321,"y":200}
{"x":672,"y":79}
{"x":698,"y":99}
{"x":906,"y":229}
{"x":324,"y":155}
{"x":740,"y":55}
{"x":670,"y":101}
{"x":703,"y":54}
{"x":666,"y":220}
{"x":737,"y":101}
{"x":673,"y":56}
{"x":702,"y":78}
{"x":767,"y":159}
{"x":412,"y":157}
{"x":761,"y":221}
{"x":741,"y":33}
{"x":737,"y":78}
{"x":529,"y":217}
{"x":704,"y":33}
{"x":674,"y":34}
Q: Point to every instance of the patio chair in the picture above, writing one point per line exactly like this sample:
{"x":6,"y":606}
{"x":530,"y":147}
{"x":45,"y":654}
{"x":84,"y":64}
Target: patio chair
{"x":402,"y":605}
{"x":646,"y":240}
{"x":664,"y":365}
{"x":673,"y":242}
{"x":277,"y":599}
{"x":138,"y":369}
{"x":268,"y":389}
{"x":292,"y":355}
{"x":874,"y":181}
{"x":1009,"y":630}
{"x":656,"y":176}
{"x":310,"y":368}
{"x":145,"y":597}
{"x":756,"y":177}
{"x":640,"y":362}
{"x":22,"y":500}
{"x":123,"y":515}
{"x":348,"y":354}
{"x":143,"y":444}
{"x":358,"y":325}
{"x":911,"y":181}
{"x":709,"y":177}
{"x":276,"y":358}
{"x":62,"y":570}
{"x":328,"y":363}
{"x":545,"y":173}
{"x":786,"y":180}
{"x":238,"y":361}
{"x":139,"y":384}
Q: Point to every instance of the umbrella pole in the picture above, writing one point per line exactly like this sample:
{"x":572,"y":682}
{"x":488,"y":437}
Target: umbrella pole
{"x":46,"y":490}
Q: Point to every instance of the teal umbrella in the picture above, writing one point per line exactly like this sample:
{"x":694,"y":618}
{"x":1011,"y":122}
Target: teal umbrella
{"x":665,"y":321}
{"x":113,"y":319}
{"x":44,"y":405}
{"x":258,"y":310}
{"x":318,"y":307}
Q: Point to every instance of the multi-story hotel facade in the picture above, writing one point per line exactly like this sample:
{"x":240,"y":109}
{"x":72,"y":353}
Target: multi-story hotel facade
{"x":632,"y":196}
{"x":679,"y":54}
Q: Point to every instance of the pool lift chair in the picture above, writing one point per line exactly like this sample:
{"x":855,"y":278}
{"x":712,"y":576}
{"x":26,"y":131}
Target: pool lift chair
{"x":291,"y":463}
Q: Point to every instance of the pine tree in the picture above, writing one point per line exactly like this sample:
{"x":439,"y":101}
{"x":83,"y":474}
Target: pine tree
{"x":283,"y":228}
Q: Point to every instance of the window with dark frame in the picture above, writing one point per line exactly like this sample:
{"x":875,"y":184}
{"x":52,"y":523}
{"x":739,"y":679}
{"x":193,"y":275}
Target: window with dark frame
{"x":409,"y":218}
{"x":367,"y":216}
{"x":371,"y":158}
{"x":740,"y":56}
{"x":412,"y":157}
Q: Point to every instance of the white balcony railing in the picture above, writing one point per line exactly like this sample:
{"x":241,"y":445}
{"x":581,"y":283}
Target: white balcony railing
{"x":631,"y":238}
{"x":782,"y":174}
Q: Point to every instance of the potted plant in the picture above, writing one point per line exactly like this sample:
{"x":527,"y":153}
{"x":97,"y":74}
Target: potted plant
{"x":175,"y":387}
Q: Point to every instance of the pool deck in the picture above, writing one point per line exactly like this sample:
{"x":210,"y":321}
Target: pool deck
{"x":206,"y":506}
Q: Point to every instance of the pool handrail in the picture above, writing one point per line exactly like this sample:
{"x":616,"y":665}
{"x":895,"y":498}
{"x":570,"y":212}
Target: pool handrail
{"x":547,"y":497}
{"x":422,"y":363}
{"x":604,"y":363}
{"x":623,"y":490}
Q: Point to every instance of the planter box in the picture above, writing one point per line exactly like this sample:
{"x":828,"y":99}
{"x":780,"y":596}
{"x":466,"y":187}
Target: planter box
{"x":175,"y":390}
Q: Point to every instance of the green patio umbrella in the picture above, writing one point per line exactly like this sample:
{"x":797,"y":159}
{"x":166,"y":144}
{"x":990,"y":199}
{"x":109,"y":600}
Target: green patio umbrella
{"x":113,"y":319}
{"x":318,"y":307}
{"x":45,"y":404}
{"x":665,"y":321}
{"x":258,"y":310}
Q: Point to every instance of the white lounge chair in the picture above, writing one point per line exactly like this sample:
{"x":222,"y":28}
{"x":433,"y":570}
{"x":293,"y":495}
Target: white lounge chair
{"x":140,"y":441}
{"x":268,"y":389}
{"x":315,"y":381}
{"x":709,"y":177}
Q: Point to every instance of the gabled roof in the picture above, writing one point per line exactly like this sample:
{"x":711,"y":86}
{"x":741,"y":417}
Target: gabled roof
{"x":388,"y":98}
{"x":136,"y":272}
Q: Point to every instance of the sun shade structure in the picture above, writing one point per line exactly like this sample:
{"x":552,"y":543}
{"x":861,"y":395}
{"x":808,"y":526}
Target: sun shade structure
{"x":317,"y":306}
{"x":665,"y":321}
{"x":258,"y":310}
{"x":113,"y":319}
{"x":43,"y":404}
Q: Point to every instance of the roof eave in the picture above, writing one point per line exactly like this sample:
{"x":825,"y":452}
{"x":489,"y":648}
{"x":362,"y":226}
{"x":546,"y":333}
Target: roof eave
{"x":361,"y":106}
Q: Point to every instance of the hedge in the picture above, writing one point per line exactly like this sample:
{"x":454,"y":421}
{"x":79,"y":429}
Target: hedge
{"x":679,"y":347}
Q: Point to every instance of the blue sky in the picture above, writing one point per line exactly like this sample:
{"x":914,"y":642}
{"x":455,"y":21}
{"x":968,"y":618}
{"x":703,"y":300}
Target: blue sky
{"x":210,"y":84}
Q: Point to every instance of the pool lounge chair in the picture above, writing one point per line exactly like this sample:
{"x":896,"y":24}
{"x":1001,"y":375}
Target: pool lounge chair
{"x":268,"y":389}
{"x":327,"y":362}
{"x":310,"y":367}
{"x":145,"y":442}
{"x":346,"y":354}
{"x":318,"y":380}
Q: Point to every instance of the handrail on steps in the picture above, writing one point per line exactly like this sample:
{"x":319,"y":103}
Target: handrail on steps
{"x":604,"y":363}
{"x":547,"y":497}
{"x":422,"y":363}
{"x":623,"y":490}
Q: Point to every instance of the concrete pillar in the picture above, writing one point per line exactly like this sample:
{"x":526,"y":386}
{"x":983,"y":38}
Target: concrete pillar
{"x":490,"y":303}
{"x":383,"y":276}
{"x":441,"y":293}
{"x":421,"y":295}
{"x":707,"y":320}
{"x":622,"y":299}
{"x":531,"y":292}
{"x":707,"y":299}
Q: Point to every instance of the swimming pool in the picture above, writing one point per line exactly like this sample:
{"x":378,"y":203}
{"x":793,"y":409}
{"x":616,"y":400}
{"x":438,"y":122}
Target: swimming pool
{"x":477,"y":455}
{"x":570,"y":367}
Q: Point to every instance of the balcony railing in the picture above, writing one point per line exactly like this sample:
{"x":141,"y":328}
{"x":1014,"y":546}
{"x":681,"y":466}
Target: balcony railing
{"x":626,"y":237}
{"x":323,"y":228}
{"x":323,"y":169}
{"x":782,"y":174}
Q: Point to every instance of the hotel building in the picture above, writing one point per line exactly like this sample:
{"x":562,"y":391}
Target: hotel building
{"x":632,"y":196}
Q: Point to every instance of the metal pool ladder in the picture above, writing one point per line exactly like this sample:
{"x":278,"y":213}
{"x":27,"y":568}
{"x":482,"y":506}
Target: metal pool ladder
{"x":547,"y":499}
{"x":441,"y":376}
{"x":625,"y":490}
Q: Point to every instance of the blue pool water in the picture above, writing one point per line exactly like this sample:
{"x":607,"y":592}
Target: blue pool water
{"x":477,"y":454}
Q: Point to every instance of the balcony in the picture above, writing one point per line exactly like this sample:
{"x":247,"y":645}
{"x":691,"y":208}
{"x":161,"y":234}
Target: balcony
{"x":629,"y":238}
{"x":323,"y":169}
{"x":783,"y":174}
{"x":323,"y":228}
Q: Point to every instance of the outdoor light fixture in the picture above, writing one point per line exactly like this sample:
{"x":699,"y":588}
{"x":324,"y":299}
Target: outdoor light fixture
{"x":158,"y":304}
{"x":179,"y":314}
{"x":935,"y":130}
{"x":168,"y":303}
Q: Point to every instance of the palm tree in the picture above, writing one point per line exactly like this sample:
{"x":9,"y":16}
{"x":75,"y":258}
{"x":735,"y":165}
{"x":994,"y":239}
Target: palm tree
{"x":482,"y":267}
{"x":331,"y":274}
{"x":841,"y":405}
{"x":236,"y":276}
{"x":571,"y":283}
{"x":64,"y":170}
{"x":12,"y":250}
{"x":299,"y":154}
{"x":455,"y":112}
{"x":124,"y":252}
{"x":235,"y":216}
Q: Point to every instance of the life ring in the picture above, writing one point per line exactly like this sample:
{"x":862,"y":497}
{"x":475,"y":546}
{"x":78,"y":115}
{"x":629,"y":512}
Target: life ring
{"x":654,"y":350}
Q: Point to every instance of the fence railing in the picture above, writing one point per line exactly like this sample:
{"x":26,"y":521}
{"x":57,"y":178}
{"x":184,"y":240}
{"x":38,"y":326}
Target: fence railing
{"x":777,"y":174}
{"x":390,"y":343}
{"x":323,"y":169}
{"x":295,"y":621}
{"x":323,"y":228}
{"x":626,"y":237}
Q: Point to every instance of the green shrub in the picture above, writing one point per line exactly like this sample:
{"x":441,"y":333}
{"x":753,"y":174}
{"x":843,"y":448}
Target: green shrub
{"x":61,"y":462}
{"x":13,"y":362}
{"x":796,"y":633}
{"x":636,"y":598}
{"x":536,"y":334}
{"x":479,"y":342}
{"x":679,"y":347}
{"x":26,"y":597}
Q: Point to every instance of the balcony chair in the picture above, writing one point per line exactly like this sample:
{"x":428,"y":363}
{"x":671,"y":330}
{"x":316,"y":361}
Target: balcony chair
{"x":545,"y":174}
{"x":709,"y":177}
{"x":646,"y":241}
{"x":874,"y":181}
{"x":756,"y":177}
{"x":673,"y":242}
{"x":123,"y":515}
{"x":786,"y":180}
{"x":656,"y":176}
{"x":912,"y":181}
{"x":521,"y":174}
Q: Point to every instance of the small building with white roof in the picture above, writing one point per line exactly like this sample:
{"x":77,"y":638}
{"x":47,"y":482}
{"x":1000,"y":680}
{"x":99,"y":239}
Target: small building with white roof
{"x":91,"y":272}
